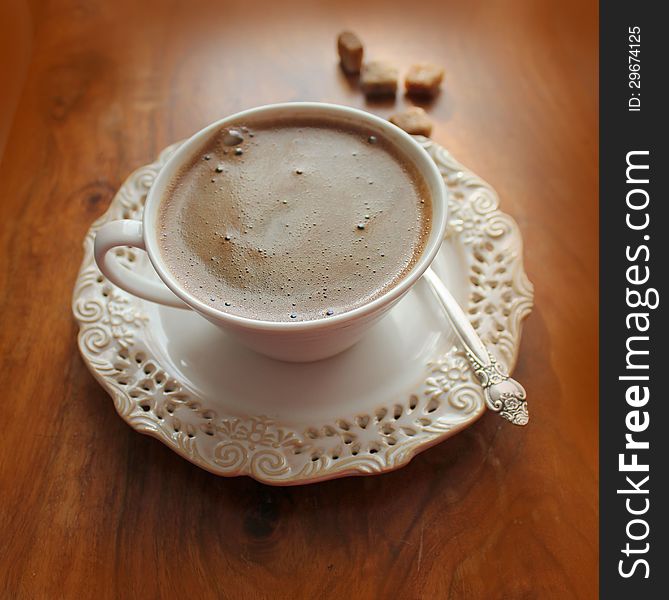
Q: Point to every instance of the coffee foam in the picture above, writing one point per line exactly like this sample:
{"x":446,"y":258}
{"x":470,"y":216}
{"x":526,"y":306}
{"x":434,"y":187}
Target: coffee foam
{"x":301,"y":219}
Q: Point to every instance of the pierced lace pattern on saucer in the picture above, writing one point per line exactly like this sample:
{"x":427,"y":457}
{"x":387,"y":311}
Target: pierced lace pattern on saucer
{"x":152,"y":401}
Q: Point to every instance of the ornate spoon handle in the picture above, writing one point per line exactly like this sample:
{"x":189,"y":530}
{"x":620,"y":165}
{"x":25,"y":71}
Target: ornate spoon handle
{"x":503,"y":394}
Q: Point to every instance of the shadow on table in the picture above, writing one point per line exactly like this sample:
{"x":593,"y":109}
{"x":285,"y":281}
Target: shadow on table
{"x":477,"y":484}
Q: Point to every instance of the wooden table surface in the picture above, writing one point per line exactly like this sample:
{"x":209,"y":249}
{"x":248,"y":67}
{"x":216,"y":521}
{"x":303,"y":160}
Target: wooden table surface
{"x":91,"y":509}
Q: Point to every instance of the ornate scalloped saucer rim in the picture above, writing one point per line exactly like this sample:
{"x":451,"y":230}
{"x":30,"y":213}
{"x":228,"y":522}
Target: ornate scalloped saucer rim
{"x":153,"y":399}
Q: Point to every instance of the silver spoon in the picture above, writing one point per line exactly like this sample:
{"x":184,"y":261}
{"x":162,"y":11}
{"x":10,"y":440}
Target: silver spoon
{"x":503,"y":394}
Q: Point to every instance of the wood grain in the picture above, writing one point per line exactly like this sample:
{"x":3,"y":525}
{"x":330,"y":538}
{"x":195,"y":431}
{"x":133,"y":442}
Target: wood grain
{"x":89,"y":508}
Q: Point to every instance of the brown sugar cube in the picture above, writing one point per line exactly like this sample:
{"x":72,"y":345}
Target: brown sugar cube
{"x":378,"y":78}
{"x":350,"y":51}
{"x":414,"y":120}
{"x":423,"y":79}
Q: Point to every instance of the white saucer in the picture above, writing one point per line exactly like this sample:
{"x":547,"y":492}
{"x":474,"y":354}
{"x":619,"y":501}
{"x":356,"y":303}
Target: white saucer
{"x":405,"y":387}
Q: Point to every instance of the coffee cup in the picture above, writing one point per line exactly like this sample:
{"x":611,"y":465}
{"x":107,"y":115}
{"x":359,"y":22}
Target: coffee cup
{"x":302,"y":341}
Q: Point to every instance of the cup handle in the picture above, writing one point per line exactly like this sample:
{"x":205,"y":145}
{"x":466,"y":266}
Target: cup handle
{"x":129,"y":233}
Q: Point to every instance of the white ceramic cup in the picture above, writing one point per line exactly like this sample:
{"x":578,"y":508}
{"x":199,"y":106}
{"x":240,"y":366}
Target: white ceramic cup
{"x":301,"y":341}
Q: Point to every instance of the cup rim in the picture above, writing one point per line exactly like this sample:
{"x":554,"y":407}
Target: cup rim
{"x":423,"y":162}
